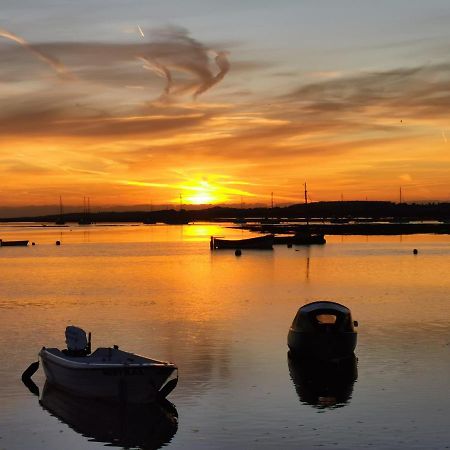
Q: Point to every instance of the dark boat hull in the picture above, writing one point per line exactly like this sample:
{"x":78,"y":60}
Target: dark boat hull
{"x":322,"y":346}
{"x":256,"y":243}
{"x":13,"y":243}
{"x":309,"y":239}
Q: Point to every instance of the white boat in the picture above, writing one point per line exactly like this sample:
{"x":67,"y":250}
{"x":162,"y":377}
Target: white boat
{"x":106,"y":373}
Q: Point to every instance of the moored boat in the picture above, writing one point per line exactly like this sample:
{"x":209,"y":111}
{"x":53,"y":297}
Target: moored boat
{"x":13,"y":243}
{"x":306,"y":238}
{"x":106,"y":373}
{"x":323,"y":330}
{"x":255,"y":243}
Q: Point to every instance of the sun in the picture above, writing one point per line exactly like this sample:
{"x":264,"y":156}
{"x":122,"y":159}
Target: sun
{"x":201,"y":198}
{"x":203,"y":192}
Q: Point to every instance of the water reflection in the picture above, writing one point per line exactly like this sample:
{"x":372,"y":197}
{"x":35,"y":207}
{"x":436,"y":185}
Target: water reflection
{"x":323,"y":384}
{"x":147,"y":426}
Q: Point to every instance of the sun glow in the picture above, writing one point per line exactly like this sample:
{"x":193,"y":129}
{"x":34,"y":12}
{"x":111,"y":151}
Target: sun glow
{"x":202,"y":192}
{"x":201,"y":198}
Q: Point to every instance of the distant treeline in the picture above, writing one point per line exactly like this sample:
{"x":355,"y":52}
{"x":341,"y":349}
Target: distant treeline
{"x":319,"y":210}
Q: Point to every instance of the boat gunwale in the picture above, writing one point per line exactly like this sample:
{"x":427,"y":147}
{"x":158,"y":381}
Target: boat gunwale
{"x":61,"y":361}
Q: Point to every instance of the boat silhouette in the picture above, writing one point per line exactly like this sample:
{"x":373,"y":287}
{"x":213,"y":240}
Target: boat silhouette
{"x":323,"y":330}
{"x":255,"y":243}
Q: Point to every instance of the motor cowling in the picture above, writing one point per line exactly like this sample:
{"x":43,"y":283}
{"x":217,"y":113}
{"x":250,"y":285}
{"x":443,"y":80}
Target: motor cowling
{"x":76,"y":340}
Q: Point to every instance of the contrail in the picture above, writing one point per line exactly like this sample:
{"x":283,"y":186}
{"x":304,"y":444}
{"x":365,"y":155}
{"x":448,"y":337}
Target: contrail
{"x":52,"y":62}
{"x":224,"y":66}
{"x":140,"y":31}
{"x":444,"y":136}
{"x":160,"y":70}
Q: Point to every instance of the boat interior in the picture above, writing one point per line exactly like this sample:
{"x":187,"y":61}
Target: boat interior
{"x":109,"y":355}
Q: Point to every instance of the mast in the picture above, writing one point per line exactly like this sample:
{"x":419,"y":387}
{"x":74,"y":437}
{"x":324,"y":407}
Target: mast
{"x":306,"y":203}
{"x":60,"y":220}
{"x":271,"y":207}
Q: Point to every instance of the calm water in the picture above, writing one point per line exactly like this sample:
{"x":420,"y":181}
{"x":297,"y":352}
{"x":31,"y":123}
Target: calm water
{"x":159,"y":291}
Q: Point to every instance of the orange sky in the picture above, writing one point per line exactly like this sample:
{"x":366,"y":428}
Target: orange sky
{"x":142,"y":114}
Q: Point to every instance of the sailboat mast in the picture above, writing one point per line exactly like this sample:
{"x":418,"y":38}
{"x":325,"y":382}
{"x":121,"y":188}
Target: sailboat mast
{"x":306,"y":203}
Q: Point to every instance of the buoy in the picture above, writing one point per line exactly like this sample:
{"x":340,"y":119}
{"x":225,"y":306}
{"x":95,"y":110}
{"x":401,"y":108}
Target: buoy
{"x":415,"y":251}
{"x":33,"y":243}
{"x":289,"y":245}
{"x":58,"y":242}
{"x":238,"y":252}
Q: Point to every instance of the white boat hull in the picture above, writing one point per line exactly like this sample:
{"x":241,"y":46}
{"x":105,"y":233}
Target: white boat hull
{"x":140,"y":381}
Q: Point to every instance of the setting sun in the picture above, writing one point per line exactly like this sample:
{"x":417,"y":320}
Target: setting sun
{"x":202,"y":192}
{"x":201,"y":198}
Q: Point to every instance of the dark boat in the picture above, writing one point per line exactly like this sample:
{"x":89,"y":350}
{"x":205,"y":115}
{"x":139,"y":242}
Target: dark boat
{"x":146,"y":425}
{"x":323,"y":384}
{"x":13,"y":243}
{"x":307,"y":238}
{"x":256,"y":243}
{"x":86,"y":217}
{"x":323,"y":331}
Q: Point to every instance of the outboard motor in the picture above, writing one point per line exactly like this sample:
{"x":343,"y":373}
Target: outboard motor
{"x":77,"y":344}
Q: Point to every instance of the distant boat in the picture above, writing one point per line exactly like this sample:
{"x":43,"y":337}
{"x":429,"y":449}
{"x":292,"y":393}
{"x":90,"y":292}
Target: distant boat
{"x":60,"y":220}
{"x":307,"y":238}
{"x":257,"y":243}
{"x":323,"y":330}
{"x":338,"y":220}
{"x":270,"y":220}
{"x":106,"y":373}
{"x":13,"y":243}
{"x":240,"y":220}
{"x":86,"y":217}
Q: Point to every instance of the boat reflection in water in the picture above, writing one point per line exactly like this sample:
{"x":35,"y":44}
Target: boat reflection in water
{"x":146,"y":425}
{"x":323,"y":384}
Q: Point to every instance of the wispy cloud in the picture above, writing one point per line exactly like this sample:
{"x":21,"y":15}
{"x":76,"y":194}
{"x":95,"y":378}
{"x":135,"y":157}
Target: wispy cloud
{"x":54,"y":63}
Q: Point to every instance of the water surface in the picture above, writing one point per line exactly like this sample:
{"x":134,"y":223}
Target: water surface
{"x":159,"y":291}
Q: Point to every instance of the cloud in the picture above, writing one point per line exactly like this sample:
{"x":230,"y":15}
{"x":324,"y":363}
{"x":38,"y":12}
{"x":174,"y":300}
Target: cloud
{"x":408,"y":92}
{"x":54,"y":63}
{"x":98,"y":101}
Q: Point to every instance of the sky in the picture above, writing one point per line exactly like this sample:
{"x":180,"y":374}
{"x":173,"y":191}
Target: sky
{"x":207,"y":102}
